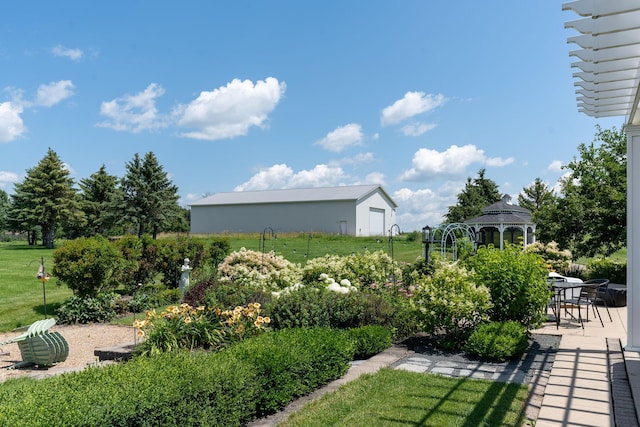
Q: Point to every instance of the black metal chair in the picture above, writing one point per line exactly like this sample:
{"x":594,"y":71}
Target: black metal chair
{"x":601,"y":294}
{"x":588,"y":297}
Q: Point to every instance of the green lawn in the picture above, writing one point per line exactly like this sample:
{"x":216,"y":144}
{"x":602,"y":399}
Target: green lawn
{"x":21,"y":293}
{"x":400,"y":398}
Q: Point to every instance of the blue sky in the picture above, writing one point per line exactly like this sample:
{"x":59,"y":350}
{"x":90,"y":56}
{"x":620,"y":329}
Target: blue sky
{"x":252,"y":95}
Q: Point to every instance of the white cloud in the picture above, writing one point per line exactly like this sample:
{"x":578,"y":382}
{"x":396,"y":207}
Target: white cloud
{"x":341,"y":138}
{"x":555,"y":166}
{"x":230,"y":111}
{"x":74,"y":54}
{"x":452,"y":162}
{"x":274,"y":177}
{"x":358,"y":159}
{"x":11,"y":125}
{"x":418,"y":208}
{"x":498,"y":161}
{"x":7,"y":178}
{"x":134,"y":113}
{"x":50,"y":94}
{"x":282,"y":176}
{"x":375,"y":178}
{"x":412,"y":104}
{"x":417,"y":129}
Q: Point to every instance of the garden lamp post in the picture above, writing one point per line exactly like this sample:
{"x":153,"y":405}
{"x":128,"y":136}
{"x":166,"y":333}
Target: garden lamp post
{"x":426,"y":240}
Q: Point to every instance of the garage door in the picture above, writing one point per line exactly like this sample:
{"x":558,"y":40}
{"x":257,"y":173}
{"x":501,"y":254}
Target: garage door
{"x":376,"y":222}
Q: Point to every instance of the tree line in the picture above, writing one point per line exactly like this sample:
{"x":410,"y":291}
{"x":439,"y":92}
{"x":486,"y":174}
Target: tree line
{"x":585,"y":213}
{"x":48,"y":204}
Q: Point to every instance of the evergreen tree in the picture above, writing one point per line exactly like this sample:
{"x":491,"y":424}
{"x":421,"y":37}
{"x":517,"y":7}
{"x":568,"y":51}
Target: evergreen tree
{"x":4,"y":210}
{"x":477,"y":194}
{"x":45,"y":199}
{"x":98,"y":194}
{"x":542,"y":202}
{"x":149,"y":198}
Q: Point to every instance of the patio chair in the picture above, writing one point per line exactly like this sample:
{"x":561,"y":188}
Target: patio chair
{"x":40,"y":347}
{"x":588,"y":297}
{"x":601,"y":294}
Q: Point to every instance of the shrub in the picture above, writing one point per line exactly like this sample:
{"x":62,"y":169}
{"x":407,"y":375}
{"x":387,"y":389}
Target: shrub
{"x":369,"y":340}
{"x":140,"y":258}
{"x":498,"y":341}
{"x":313,"y":307}
{"x":171,"y":255}
{"x":101,"y":308}
{"x":449,"y":302}
{"x":293,"y":362}
{"x":603,"y":268}
{"x":218,"y":250}
{"x":517,"y":281}
{"x":171,"y":389}
{"x":88,"y":266}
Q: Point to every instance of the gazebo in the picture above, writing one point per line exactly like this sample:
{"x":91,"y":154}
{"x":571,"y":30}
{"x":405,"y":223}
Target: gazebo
{"x":502,"y":222}
{"x":607,"y":83}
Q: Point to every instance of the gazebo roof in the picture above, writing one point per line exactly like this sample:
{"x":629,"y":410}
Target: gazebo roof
{"x":502,"y":212}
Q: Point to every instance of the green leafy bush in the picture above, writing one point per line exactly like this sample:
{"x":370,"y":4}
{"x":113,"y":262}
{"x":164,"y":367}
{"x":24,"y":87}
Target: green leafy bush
{"x":88,"y":266}
{"x":369,"y":340}
{"x":313,"y":307}
{"x":449,"y":302}
{"x":101,"y":308}
{"x":604,"y":268}
{"x":517,"y":281}
{"x":171,"y":255}
{"x":498,"y":341}
{"x":293,"y":362}
{"x":170,"y":389}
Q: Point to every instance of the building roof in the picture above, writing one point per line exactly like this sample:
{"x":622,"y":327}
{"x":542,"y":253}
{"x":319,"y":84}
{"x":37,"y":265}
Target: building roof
{"x":316,"y":194}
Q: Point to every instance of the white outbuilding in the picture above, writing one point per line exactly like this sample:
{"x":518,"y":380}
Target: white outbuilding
{"x":356,"y":210}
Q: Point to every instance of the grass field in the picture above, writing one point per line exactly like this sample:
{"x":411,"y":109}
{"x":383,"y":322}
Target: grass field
{"x":22,"y":296}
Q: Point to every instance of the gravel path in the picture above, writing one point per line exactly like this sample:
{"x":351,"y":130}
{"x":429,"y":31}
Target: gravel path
{"x":82,"y":340}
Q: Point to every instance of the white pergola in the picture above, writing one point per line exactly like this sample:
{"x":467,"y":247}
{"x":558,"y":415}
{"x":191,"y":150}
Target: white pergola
{"x":607,"y":83}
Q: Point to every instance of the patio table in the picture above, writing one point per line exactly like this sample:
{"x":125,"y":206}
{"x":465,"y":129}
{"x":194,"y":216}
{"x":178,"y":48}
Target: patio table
{"x":560,"y":289}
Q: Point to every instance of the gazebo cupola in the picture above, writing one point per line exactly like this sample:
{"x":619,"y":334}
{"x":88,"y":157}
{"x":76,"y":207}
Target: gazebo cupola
{"x":503,"y":221}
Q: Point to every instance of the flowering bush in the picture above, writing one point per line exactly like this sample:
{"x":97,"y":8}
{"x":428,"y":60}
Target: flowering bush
{"x":360,"y":269}
{"x":344,"y":287}
{"x":187,"y":328}
{"x":555,"y":259}
{"x":265,"y":271}
{"x":449,"y":303}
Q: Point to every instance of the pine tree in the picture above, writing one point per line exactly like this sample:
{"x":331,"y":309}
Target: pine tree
{"x":149,"y":198}
{"x":98,"y":193}
{"x":45,"y":199}
{"x":477,"y":194}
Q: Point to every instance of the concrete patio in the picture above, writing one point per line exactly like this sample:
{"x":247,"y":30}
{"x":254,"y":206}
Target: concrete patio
{"x":593,"y":382}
